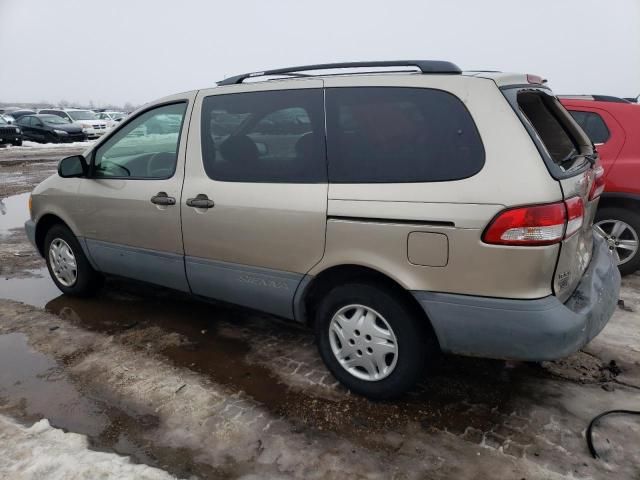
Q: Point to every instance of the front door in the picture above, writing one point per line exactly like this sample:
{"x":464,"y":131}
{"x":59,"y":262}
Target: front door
{"x":129,"y":207}
{"x":255,"y":195}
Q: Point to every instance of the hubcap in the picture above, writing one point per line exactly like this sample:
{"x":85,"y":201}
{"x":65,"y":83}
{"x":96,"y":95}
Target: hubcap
{"x":363,"y":342}
{"x":621,"y":239}
{"x":63,"y":262}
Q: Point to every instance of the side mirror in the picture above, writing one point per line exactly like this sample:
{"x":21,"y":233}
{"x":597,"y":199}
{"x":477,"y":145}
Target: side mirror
{"x":73,"y":167}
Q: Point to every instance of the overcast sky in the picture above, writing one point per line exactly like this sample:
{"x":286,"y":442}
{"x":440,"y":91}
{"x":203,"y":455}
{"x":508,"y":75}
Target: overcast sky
{"x":137,"y":50}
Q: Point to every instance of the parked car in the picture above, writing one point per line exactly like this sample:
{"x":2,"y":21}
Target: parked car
{"x":111,"y":118}
{"x":9,"y":133}
{"x":8,"y":118}
{"x":16,"y":114}
{"x":612,"y":124}
{"x":398,"y":214}
{"x":50,"y":129}
{"x":91,"y":125}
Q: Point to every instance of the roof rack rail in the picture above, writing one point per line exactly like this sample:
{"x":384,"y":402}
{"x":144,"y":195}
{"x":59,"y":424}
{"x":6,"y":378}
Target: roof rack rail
{"x":596,"y":98}
{"x":425,"y":66}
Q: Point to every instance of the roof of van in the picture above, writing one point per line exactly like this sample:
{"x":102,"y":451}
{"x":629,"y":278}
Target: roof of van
{"x":427,"y":67}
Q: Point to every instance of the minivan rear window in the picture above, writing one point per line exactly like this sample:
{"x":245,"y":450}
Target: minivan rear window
{"x":399,"y":135}
{"x":542,"y":112}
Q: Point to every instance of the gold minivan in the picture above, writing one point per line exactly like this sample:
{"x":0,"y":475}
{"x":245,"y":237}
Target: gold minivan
{"x":400,"y":208}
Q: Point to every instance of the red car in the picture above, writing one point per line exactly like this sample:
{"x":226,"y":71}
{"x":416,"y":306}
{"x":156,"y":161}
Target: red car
{"x":613,"y":124}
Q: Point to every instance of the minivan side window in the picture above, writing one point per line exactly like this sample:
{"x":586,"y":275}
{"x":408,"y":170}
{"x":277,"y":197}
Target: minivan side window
{"x":268,"y":137}
{"x":592,"y":124}
{"x":145,"y":148}
{"x":400,"y":135}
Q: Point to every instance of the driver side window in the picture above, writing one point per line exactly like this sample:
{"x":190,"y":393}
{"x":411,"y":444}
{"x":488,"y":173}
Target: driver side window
{"x":145,"y":148}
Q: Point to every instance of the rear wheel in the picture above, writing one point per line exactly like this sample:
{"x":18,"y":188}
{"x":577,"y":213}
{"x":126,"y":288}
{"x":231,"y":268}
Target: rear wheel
{"x":371,"y":340}
{"x":68,"y":266}
{"x":621,"y":229}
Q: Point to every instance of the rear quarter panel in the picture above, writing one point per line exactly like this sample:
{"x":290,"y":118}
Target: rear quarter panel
{"x":513,"y":174}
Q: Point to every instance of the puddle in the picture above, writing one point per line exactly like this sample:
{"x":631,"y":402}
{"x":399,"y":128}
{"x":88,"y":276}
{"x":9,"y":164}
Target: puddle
{"x":31,"y":380}
{"x":14,"y":211}
{"x":34,"y":386}
{"x":35,"y":290}
{"x":463,"y":393}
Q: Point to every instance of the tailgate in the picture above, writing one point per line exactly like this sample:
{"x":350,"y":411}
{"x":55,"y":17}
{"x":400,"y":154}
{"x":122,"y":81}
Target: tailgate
{"x":570,"y":159}
{"x":575,"y":252}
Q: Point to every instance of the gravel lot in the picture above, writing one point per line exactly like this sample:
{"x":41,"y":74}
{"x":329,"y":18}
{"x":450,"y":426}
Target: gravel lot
{"x":163,"y":385}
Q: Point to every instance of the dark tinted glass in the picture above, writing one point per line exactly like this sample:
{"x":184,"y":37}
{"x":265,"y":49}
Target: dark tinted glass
{"x":542,"y":110}
{"x":269,"y":137}
{"x":394,"y":135}
{"x":592,"y":124}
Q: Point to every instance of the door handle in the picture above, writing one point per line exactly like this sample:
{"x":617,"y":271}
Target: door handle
{"x":161,"y":198}
{"x":201,"y":201}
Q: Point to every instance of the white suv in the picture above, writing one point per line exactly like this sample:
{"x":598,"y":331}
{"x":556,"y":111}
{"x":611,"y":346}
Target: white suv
{"x":91,"y":125}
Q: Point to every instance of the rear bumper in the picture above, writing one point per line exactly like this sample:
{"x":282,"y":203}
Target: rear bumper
{"x":534,"y":330}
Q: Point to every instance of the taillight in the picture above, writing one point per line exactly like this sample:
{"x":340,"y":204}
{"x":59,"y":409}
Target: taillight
{"x":536,"y":225}
{"x":597,"y":187}
{"x":575,"y":215}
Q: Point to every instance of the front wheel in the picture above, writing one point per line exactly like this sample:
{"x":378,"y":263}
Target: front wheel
{"x":620,"y":227}
{"x":17,"y":143}
{"x":68,"y":266}
{"x":371,"y":340}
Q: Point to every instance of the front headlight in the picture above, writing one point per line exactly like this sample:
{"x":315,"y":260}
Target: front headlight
{"x":60,"y":132}
{"x":17,"y":130}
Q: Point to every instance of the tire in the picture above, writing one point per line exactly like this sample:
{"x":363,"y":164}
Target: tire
{"x":413,"y":341}
{"x":605,"y":218}
{"x":87,"y":281}
{"x":17,"y":143}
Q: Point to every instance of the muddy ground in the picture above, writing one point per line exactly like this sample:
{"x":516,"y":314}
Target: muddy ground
{"x":204,"y":390}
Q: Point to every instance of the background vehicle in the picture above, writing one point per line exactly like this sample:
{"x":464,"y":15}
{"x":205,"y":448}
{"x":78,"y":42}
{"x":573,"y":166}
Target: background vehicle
{"x":111,"y":118}
{"x":613,"y":124}
{"x":8,"y":118}
{"x":9,"y":133}
{"x":91,"y":125}
{"x":16,"y":114}
{"x":50,"y":129}
{"x":380,"y":208}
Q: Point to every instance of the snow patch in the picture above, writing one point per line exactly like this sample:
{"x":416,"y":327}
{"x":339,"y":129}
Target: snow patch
{"x":31,"y":145}
{"x":44,"y":452}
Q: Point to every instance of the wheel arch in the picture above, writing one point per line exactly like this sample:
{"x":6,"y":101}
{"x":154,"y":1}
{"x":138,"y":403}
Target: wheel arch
{"x":313,"y":288}
{"x":621,"y":200}
{"x":43,"y":225}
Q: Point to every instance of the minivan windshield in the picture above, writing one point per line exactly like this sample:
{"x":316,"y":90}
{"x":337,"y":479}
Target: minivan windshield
{"x":82,"y":115}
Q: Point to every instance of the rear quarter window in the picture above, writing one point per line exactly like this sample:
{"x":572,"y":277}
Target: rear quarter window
{"x":592,"y":124}
{"x":400,"y":135}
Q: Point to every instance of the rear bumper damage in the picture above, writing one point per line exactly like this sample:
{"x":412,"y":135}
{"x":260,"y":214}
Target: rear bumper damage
{"x":534,"y":330}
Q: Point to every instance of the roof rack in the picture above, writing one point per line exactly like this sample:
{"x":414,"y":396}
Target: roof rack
{"x":425,"y":66}
{"x":596,"y":98}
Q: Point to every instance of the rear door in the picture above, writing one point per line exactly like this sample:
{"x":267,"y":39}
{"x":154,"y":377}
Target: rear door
{"x":603,"y":130}
{"x":565,"y":148}
{"x":255,"y":195}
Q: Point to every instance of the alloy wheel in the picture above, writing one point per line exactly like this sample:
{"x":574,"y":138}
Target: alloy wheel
{"x":621,"y":239}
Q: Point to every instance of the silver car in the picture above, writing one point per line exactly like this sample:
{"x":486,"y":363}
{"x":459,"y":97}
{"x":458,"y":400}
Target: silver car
{"x":400,"y":214}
